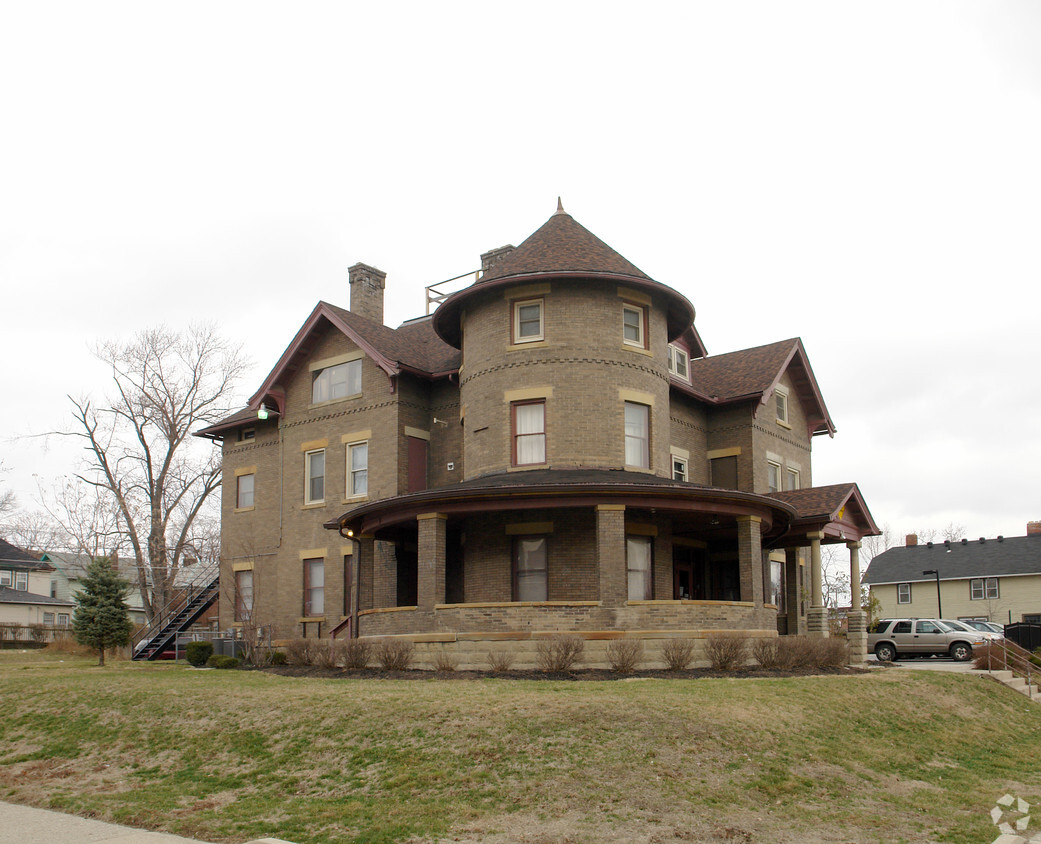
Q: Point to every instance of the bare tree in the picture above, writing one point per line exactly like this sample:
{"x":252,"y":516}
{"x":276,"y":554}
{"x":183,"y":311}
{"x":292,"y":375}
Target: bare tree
{"x":140,"y":460}
{"x":8,"y":503}
{"x":834,"y":577}
{"x":33,"y":531}
{"x":953,"y":533}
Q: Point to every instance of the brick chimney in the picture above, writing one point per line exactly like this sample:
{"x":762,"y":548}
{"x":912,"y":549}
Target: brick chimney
{"x":493,"y":257}
{"x":911,"y":540}
{"x":366,"y":290}
{"x":1033,"y":528}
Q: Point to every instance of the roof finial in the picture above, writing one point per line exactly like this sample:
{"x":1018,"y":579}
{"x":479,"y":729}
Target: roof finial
{"x":560,"y":207}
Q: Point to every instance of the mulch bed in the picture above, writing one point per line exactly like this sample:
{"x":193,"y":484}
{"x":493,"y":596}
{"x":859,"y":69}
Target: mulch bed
{"x":579,"y":674}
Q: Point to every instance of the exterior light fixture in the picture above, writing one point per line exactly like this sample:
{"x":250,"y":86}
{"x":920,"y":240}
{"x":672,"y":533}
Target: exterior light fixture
{"x":263,"y":412}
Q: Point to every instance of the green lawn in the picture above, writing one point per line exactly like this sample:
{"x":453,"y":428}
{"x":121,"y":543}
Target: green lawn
{"x":230,"y":755}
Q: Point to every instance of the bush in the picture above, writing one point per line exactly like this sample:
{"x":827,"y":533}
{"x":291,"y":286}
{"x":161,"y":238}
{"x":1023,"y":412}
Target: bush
{"x":357,"y":654}
{"x":302,"y":651}
{"x":327,"y":655}
{"x":219,"y":661}
{"x":559,"y":653}
{"x":795,"y":652}
{"x":831,"y":653}
{"x":197,"y":653}
{"x":993,"y":656}
{"x":624,"y":655}
{"x":445,"y":661}
{"x":38,"y":633}
{"x":500,"y":661}
{"x":726,"y":652}
{"x":394,"y":654}
{"x":678,"y":654}
{"x":276,"y":658}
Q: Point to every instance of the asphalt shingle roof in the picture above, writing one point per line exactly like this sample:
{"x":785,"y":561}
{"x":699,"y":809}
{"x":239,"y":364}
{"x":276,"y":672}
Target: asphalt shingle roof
{"x":413,"y":344}
{"x":17,"y":596}
{"x":747,"y":372}
{"x":562,"y":245}
{"x":993,"y":558}
{"x":11,"y":556}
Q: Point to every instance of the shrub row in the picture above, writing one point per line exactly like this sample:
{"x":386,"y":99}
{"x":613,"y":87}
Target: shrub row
{"x":560,"y":654}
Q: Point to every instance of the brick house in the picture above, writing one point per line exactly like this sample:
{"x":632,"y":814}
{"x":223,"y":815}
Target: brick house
{"x":986,"y":579}
{"x":551,"y":451}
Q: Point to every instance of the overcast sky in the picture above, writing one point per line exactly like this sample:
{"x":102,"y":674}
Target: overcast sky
{"x":866,"y":176}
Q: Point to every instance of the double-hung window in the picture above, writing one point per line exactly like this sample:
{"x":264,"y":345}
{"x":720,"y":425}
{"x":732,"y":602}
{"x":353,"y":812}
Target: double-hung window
{"x":244,"y":492}
{"x":781,"y":402}
{"x":678,"y":362}
{"x":314,"y":587}
{"x":314,"y":476}
{"x":63,"y":619}
{"x":792,"y":479}
{"x":679,"y":468}
{"x":243,"y":595}
{"x":638,"y":555}
{"x":48,"y":618}
{"x":903,"y":593}
{"x":336,"y":382}
{"x":530,"y":568}
{"x":21,"y":581}
{"x":357,"y":469}
{"x":6,"y":577}
{"x":527,"y":321}
{"x":637,"y":435}
{"x":983,"y":588}
{"x":529,"y":433}
{"x":773,"y":476}
{"x":634,"y":326}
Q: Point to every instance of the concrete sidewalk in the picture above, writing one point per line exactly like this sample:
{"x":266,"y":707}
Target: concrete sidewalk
{"x":25,"y":825}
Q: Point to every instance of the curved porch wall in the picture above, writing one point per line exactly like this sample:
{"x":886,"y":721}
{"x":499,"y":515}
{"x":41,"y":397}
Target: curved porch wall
{"x":523,"y":620}
{"x":583,"y":360}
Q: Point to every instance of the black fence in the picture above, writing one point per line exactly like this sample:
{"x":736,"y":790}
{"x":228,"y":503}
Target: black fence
{"x":1025,"y":635}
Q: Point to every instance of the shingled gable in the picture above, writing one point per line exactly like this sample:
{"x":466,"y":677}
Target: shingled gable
{"x":753,"y":374}
{"x":839,"y":510}
{"x":413,"y":348}
{"x":563,"y":248}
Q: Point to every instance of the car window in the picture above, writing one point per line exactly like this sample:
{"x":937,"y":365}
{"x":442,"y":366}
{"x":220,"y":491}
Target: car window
{"x":927,"y":627}
{"x":902,"y":627}
{"x":951,"y":624}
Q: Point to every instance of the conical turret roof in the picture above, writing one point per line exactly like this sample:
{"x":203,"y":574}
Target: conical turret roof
{"x":562,"y":245}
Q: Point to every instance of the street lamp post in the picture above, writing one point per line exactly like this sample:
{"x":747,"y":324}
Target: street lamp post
{"x":939,"y":606}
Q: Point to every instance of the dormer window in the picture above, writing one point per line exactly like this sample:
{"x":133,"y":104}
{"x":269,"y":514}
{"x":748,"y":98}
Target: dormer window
{"x":527,"y":321}
{"x":336,"y":382}
{"x":678,"y":362}
{"x":781,"y":401}
{"x":634,"y":326}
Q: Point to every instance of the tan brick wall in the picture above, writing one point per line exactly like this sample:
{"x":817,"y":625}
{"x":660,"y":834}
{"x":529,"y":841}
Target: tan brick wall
{"x":585,"y":362}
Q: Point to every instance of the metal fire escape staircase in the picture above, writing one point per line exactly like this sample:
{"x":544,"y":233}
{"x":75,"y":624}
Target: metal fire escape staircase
{"x":187,"y":606}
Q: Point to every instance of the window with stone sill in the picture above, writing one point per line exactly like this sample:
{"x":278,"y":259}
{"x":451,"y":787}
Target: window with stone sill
{"x":357,"y":469}
{"x":679,"y":468}
{"x":637,"y":435}
{"x":791,"y":479}
{"x":528,"y":326}
{"x":781,"y":404}
{"x":336,"y":382}
{"x":314,"y":476}
{"x":243,"y":595}
{"x":773,"y":476}
{"x":634,"y":326}
{"x":529,"y":432}
{"x":244,"y":491}
{"x":314,"y":588}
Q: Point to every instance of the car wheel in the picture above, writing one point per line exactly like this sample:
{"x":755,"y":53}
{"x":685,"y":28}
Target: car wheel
{"x":885,"y":652}
{"x":960,"y":651}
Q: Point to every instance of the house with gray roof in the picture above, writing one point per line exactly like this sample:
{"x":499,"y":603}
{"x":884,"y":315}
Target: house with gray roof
{"x":988,"y":579}
{"x":70,"y":568}
{"x":26,"y":596}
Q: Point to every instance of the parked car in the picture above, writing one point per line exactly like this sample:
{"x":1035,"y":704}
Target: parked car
{"x":970,"y":627}
{"x":893,"y":638}
{"x":986,"y":626}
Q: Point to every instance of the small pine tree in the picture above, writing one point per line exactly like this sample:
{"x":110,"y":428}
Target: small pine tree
{"x":101,"y":619}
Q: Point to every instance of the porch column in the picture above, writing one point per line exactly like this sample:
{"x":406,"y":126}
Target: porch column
{"x":750,"y":559}
{"x":431,"y":586}
{"x":610,"y":554}
{"x":817,"y":616}
{"x":384,"y":575}
{"x":793,"y":592}
{"x":366,"y":553}
{"x":857,"y":619}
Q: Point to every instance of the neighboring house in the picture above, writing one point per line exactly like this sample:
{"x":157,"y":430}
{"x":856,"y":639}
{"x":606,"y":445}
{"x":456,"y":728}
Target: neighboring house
{"x":25,"y":591}
{"x":988,"y":579}
{"x":69,"y":570}
{"x":551,"y":451}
